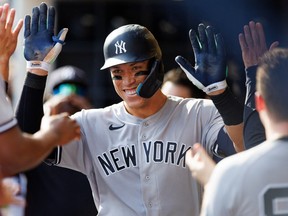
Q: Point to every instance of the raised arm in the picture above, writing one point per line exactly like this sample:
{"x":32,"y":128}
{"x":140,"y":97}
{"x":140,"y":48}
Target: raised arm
{"x":209,"y":75}
{"x":253,"y":45}
{"x":41,"y":49}
{"x":21,"y":151}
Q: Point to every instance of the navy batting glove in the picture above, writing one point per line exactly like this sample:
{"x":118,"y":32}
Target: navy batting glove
{"x":209,"y":73}
{"x":41,"y":47}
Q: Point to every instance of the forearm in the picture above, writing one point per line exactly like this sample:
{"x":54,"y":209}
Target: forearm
{"x":231,"y":111}
{"x":254,"y":132}
{"x":23,"y":151}
{"x":4,"y":67}
{"x":236,"y":135}
{"x":30,"y":107}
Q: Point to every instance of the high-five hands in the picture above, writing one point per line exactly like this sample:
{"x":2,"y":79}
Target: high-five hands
{"x":209,"y":72}
{"x":41,"y":45}
{"x":253,"y":43}
{"x":8,"y":37}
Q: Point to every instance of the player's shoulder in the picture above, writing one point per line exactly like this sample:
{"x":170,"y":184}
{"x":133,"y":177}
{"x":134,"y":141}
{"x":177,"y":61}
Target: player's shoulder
{"x":97,"y":112}
{"x":244,"y":161}
{"x":191,"y":103}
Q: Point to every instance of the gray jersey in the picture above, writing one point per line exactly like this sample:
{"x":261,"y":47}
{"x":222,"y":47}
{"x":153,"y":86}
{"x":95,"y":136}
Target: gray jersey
{"x":136,"y":166}
{"x":7,"y":118}
{"x":254,"y":182}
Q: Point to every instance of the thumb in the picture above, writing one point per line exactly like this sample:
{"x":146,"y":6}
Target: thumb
{"x":60,"y":38}
{"x":274,"y":45}
{"x":55,"y":51}
{"x":189,"y":71}
{"x":183,"y":63}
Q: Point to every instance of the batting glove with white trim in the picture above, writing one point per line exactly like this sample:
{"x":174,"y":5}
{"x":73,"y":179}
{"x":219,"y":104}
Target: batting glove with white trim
{"x":209,"y":73}
{"x":41,"y":47}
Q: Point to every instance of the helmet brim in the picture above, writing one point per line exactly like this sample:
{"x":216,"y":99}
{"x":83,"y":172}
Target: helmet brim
{"x":112,"y":62}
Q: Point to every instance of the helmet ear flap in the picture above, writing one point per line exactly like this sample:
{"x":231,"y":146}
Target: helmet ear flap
{"x":153,"y":81}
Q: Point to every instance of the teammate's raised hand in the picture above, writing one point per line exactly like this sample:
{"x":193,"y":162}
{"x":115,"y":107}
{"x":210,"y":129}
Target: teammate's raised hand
{"x":9,"y":190}
{"x":41,"y":45}
{"x":209,"y":72}
{"x":8,"y":37}
{"x":253,"y":43}
{"x":199,"y":163}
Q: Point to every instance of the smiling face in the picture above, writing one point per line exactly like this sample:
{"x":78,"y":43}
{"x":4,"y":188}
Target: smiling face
{"x":126,"y":78}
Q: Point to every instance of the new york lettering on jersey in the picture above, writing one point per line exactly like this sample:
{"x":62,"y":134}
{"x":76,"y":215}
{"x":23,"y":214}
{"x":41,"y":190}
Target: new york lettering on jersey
{"x":157,"y":151}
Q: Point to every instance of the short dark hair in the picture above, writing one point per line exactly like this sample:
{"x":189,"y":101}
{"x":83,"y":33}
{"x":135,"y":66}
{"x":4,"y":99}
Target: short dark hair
{"x":178,"y":77}
{"x":272,"y":80}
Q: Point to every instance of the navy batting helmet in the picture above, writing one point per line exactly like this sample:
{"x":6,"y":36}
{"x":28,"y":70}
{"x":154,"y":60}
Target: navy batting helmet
{"x":134,"y":43}
{"x":130,"y":43}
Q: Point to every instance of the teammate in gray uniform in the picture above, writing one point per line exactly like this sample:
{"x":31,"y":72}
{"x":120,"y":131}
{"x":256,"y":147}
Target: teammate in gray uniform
{"x":231,"y":189}
{"x":244,"y":190}
{"x":133,"y":152}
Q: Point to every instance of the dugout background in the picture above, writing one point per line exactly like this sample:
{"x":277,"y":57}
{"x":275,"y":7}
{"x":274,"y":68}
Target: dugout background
{"x":89,"y":22}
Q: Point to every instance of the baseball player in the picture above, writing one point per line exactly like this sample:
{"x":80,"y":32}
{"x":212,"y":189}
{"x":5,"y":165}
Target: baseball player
{"x":133,"y":152}
{"x":20,"y":151}
{"x":246,"y":191}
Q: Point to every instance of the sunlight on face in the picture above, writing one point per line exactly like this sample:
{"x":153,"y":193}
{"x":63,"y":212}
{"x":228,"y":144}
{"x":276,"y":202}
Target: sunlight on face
{"x":126,"y":78}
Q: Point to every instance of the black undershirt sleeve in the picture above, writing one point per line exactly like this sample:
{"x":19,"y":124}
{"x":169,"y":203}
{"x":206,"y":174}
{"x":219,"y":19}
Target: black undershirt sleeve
{"x":30,"y":108}
{"x":254,"y":132}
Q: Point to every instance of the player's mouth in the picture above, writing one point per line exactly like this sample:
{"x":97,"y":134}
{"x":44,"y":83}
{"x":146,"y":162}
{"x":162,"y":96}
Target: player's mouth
{"x":130,"y":91}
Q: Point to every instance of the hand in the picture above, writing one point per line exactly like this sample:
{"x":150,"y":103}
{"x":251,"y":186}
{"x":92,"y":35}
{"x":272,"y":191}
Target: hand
{"x":41,"y":46}
{"x":8,"y":193}
{"x":199,"y":163}
{"x":253,"y":43}
{"x":61,"y":128}
{"x":8,"y":38}
{"x":209,"y":72}
{"x":62,"y":103}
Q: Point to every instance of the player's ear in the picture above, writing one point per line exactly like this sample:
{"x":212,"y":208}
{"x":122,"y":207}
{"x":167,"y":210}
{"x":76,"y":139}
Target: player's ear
{"x":259,"y":102}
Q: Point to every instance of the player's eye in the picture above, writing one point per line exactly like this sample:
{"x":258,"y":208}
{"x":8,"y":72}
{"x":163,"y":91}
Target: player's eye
{"x":142,"y":73}
{"x":116,"y":77}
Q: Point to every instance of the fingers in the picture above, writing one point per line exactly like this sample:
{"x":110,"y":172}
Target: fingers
{"x":256,"y":37}
{"x":18,"y":28}
{"x":35,"y":18}
{"x":10,"y":21}
{"x":51,"y":19}
{"x":62,"y":34}
{"x":211,"y":40}
{"x":207,"y":42}
{"x":261,"y":35}
{"x":39,"y":20}
{"x":42,"y":16}
{"x":199,"y":163}
{"x":27,"y":23}
{"x":248,"y":36}
{"x":274,"y":45}
{"x":3,"y":17}
{"x":203,"y":37}
{"x":194,"y":42}
{"x":242,"y":42}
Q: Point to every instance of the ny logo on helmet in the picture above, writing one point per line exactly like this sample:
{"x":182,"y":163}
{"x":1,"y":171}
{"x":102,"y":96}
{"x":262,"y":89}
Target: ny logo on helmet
{"x":120,"y":47}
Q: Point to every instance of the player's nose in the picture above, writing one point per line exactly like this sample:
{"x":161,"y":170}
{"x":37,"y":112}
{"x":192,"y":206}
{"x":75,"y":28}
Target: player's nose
{"x":128,"y":80}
